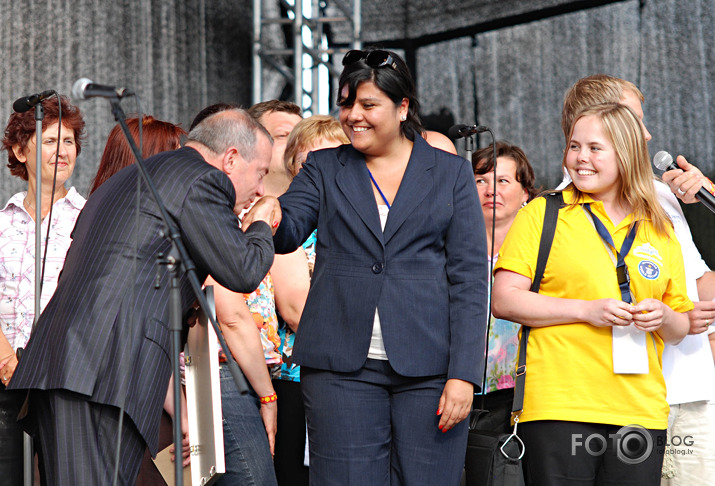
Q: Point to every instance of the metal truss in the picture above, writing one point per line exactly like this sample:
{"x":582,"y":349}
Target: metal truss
{"x":306,"y":59}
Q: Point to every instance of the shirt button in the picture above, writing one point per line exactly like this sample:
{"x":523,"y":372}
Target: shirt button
{"x":377,"y":267}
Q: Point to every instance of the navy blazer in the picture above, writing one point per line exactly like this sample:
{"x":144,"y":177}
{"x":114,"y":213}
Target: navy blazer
{"x":104,"y":334}
{"x":426,"y":274}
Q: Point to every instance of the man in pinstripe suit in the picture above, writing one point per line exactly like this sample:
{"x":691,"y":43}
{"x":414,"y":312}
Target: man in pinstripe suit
{"x":103,"y":340}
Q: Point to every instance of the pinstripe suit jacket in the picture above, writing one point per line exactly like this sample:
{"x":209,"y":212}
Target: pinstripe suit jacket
{"x":426,"y":273}
{"x":106,"y":328}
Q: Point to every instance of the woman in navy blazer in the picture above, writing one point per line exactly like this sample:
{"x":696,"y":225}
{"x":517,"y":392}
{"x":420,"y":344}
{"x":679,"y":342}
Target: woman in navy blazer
{"x":391,"y":340}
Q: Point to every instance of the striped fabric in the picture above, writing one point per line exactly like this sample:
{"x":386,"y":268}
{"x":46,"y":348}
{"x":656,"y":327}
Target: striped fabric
{"x":105,"y":332}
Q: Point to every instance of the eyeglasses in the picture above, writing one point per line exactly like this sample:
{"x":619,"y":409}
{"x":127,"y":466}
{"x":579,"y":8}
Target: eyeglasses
{"x":374,"y":59}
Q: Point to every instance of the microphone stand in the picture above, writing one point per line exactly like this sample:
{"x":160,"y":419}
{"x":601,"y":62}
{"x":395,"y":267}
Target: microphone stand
{"x":39,"y":116}
{"x":481,"y":409}
{"x":178,"y":256}
{"x":469,"y":147}
{"x":172,"y":262}
{"x":28,"y":453}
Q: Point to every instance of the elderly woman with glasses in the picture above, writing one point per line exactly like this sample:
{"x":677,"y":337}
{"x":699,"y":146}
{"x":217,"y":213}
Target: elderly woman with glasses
{"x":397,"y":305}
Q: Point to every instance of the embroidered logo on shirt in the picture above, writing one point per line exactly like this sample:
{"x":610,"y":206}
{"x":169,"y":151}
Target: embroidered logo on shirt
{"x":648,"y":252}
{"x":649,"y":266}
{"x":648,"y":269}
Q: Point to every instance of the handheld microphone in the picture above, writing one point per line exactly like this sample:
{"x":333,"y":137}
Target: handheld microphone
{"x":28,"y":102}
{"x":459,"y":131}
{"x":706,"y":195}
{"x":84,"y":88}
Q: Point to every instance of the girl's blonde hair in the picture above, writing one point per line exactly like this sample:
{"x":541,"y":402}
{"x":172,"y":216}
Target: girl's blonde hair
{"x":624,"y":131}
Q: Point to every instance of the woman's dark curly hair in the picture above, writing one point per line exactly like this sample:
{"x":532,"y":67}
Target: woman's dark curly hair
{"x":21,"y":128}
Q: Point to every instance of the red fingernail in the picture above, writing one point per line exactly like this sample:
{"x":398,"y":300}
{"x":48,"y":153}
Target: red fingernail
{"x":439,"y":411}
{"x":440,"y":427}
{"x":275,"y":224}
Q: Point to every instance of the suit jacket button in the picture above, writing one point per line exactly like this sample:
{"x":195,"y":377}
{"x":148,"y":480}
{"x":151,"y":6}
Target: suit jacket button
{"x":377,"y":267}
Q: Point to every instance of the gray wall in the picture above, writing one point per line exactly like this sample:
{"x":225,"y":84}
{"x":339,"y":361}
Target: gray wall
{"x":501,"y":63}
{"x":512,"y":79}
{"x":178,"y":55}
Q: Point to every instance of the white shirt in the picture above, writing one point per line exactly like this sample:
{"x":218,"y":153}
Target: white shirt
{"x":17,"y":261}
{"x":377,"y":345}
{"x":687,"y":366}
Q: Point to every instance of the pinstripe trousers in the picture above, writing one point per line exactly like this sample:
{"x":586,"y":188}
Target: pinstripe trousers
{"x":78,"y":440}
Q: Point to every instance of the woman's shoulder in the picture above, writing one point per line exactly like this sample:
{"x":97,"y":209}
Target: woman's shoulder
{"x":535,"y":207}
{"x":534,"y":213}
{"x":441,"y":159}
{"x":440,"y":141}
{"x":326,"y":158}
{"x":566,"y":201}
{"x":75,"y":198}
{"x":15,"y":200}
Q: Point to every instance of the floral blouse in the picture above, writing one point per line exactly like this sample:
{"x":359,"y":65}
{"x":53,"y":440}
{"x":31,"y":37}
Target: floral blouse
{"x":289,"y":371}
{"x":503,"y":344}
{"x":261,"y":302}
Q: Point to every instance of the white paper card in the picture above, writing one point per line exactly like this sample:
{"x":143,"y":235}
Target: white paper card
{"x":630,"y":355}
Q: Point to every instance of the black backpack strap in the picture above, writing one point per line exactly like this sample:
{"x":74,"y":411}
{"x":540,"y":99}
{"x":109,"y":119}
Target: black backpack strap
{"x":554,"y":201}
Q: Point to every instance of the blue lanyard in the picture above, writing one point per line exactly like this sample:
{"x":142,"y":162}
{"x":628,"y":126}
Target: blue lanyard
{"x":378,"y":189}
{"x":624,"y":279}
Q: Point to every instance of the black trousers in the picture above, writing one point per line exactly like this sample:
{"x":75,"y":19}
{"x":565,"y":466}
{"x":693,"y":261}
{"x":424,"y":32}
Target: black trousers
{"x":560,"y":453}
{"x":288,"y":459}
{"x":78,"y":440}
{"x":11,"y":438}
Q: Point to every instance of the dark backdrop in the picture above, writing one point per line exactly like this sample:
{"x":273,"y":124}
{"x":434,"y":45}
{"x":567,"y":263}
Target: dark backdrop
{"x":501,"y":63}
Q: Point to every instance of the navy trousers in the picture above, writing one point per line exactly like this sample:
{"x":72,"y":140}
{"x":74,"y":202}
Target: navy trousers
{"x":289,"y":458}
{"x":375,"y":427}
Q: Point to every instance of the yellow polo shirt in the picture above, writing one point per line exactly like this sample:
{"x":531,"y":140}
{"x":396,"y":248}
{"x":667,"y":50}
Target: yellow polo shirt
{"x":569,"y":368}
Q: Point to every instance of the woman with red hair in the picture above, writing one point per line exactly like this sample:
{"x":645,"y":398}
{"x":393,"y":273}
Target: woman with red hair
{"x":157,"y":136}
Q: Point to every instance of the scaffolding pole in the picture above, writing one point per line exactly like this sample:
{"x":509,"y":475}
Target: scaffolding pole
{"x":304,"y":73}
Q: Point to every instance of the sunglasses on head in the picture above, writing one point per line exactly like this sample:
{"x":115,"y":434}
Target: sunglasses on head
{"x":374,"y":59}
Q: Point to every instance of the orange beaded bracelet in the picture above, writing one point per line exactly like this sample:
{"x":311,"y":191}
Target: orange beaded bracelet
{"x":269,"y":398}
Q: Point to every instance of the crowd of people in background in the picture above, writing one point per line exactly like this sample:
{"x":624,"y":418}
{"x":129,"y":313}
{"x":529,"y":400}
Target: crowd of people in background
{"x":371,"y":285}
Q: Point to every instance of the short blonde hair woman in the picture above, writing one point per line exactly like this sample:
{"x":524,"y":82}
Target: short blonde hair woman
{"x":312,"y":133}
